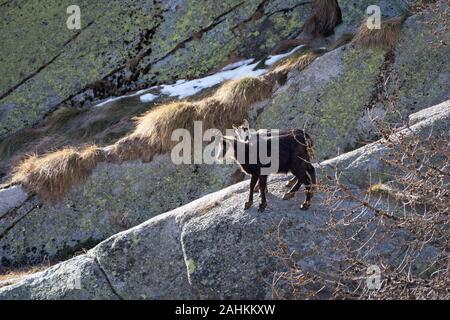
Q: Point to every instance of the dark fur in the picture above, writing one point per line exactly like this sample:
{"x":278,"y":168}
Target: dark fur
{"x":293,"y":158}
{"x":309,"y":142}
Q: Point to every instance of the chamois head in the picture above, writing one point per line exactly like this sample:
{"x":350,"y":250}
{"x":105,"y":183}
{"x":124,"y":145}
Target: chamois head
{"x":242,"y":132}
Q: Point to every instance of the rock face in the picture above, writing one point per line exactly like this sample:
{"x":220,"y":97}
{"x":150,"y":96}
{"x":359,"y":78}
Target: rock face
{"x":126,"y":45}
{"x":115,"y":198}
{"x":80,"y":272}
{"x":332,"y":98}
{"x":160,"y":40}
{"x":338,"y":93}
{"x":211,"y":248}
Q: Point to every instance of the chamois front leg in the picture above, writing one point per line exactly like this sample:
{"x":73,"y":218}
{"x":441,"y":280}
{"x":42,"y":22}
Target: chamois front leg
{"x":253,"y":181}
{"x":262,"y":190}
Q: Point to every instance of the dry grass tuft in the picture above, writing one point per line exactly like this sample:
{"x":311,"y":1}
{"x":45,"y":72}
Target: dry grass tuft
{"x":53,"y":174}
{"x":57,"y":119}
{"x":153,"y":131}
{"x":229,"y":105}
{"x":297,"y":62}
{"x":385,"y":38}
{"x":326,"y":16}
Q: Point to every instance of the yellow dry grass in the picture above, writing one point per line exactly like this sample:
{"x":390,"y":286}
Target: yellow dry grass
{"x":53,"y":174}
{"x":227,"y":106}
{"x":13,"y":276}
{"x":385,"y":38}
{"x":297,"y":62}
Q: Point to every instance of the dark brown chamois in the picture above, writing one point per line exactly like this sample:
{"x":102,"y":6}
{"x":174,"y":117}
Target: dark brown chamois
{"x":244,"y":133}
{"x":292,"y":156}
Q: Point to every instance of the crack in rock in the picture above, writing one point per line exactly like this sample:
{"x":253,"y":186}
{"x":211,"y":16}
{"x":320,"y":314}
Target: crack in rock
{"x":14,"y":87}
{"x":108,"y":281}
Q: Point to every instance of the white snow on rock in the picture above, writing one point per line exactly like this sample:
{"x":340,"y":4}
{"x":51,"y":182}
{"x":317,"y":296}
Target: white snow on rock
{"x":184,"y":88}
{"x":148,"y":97}
{"x":273,"y":59}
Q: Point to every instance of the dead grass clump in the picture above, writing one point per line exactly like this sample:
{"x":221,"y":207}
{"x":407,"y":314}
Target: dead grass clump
{"x":229,"y":105}
{"x":57,"y":119}
{"x":13,"y":276}
{"x":231,"y":102}
{"x":154,"y":130}
{"x":297,"y":62}
{"x":53,"y":175}
{"x":326,"y":16}
{"x":385,"y":38}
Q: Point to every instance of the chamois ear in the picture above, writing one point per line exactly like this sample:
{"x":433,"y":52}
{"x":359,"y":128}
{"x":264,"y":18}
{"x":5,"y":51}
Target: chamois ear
{"x":245,"y":124}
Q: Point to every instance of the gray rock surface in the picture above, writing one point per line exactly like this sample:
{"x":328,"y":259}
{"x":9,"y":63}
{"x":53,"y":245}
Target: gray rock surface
{"x":335,"y":97}
{"x":11,"y":198}
{"x":44,"y":64}
{"x":77,"y":279}
{"x":331,"y":98}
{"x":213,"y":249}
{"x":113,"y":199}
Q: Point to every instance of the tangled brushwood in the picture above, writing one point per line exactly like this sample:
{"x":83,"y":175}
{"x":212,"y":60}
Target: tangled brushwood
{"x":414,"y":202}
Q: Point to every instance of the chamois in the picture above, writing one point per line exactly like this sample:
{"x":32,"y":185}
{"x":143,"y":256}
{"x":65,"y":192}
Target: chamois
{"x":243,"y":132}
{"x":292,"y":157}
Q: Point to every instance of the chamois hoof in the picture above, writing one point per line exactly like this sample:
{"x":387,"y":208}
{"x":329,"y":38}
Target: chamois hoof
{"x":288,"y":195}
{"x":262,"y":207}
{"x":305,"y":206}
{"x":248,"y":205}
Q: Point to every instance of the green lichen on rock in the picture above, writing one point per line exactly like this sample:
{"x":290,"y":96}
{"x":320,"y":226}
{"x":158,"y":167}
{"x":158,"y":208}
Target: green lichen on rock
{"x":57,"y":63}
{"x":420,"y":75}
{"x":327,"y":98}
{"x":354,"y":12}
{"x":113,"y":199}
{"x":235,"y":33}
{"x":74,"y":58}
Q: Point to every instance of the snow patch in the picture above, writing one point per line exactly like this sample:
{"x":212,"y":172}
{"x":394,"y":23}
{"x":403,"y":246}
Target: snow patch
{"x":273,"y":59}
{"x":184,"y":88}
{"x":148,"y":97}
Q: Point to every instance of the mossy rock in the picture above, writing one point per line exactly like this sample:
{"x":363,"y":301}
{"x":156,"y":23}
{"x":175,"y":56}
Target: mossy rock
{"x":420,"y":74}
{"x":43,"y":63}
{"x":327,"y":98}
{"x":113,"y":199}
{"x":337,"y":94}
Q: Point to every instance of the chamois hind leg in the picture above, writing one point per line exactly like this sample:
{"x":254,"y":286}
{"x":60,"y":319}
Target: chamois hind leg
{"x":253,"y":181}
{"x":263,"y":188}
{"x":257,"y":188}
